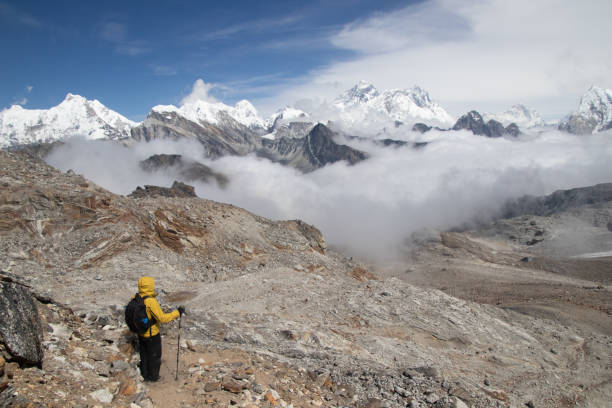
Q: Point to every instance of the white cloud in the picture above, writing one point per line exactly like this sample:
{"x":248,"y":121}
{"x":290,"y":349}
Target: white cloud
{"x":29,"y":88}
{"x":199,"y":92}
{"x":22,"y":101}
{"x":370,"y":208}
{"x":486,"y":54}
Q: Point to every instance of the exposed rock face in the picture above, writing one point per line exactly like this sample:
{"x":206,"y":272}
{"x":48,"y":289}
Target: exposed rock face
{"x":474,"y":122}
{"x":228,"y":137}
{"x":561,"y":200}
{"x":311,"y":152}
{"x":294,"y":130}
{"x":20,"y":328}
{"x":186,"y":169}
{"x":178,"y":189}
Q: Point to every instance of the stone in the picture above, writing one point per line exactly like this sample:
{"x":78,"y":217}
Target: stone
{"x":2,"y":363}
{"x":102,"y":368}
{"x":212,"y":386}
{"x":429,"y":371}
{"x":118,"y":366}
{"x":20,"y":326}
{"x":128,"y":387}
{"x":103,"y":395}
{"x":431,"y":398}
{"x":232,"y":386}
{"x":10,"y":369}
{"x":274,"y":394}
{"x":458,"y":403}
{"x":270,"y":398}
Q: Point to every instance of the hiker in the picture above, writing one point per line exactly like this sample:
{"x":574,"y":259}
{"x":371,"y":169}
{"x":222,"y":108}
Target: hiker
{"x":150,"y":341}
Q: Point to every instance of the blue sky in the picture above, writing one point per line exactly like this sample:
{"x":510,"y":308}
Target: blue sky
{"x":483,"y":54}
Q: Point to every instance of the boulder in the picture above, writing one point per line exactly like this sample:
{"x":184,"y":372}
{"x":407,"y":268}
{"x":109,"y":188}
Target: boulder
{"x":20,"y":327}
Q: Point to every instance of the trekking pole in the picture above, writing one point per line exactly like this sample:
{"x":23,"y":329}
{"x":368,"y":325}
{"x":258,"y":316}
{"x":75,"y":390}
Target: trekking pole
{"x":178,"y":347}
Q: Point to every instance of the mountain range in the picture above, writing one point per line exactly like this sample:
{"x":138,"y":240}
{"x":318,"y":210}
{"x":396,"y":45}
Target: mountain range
{"x":239,"y":130}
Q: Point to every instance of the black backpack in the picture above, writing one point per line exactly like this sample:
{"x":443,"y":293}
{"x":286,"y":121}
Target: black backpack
{"x":136,"y":315}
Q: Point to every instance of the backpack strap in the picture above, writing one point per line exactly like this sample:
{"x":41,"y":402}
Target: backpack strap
{"x":152,"y":316}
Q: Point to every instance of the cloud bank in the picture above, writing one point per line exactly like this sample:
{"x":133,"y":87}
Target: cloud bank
{"x":484,"y":55}
{"x":370,"y":208}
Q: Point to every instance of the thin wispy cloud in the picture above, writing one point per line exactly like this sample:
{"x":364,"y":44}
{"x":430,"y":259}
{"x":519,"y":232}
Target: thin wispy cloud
{"x":254,"y":26}
{"x":164,"y":70}
{"x":10,"y":14}
{"x":117,"y":34}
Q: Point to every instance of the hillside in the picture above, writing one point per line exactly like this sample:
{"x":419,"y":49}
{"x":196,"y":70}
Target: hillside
{"x":274,"y":316}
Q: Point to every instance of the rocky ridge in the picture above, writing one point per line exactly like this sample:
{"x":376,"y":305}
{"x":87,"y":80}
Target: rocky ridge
{"x":324,"y":329}
{"x":229,"y":137}
{"x":475,"y":123}
{"x":184,"y":169}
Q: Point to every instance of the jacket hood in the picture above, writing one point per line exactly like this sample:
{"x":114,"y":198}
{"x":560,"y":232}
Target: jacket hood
{"x":146,"y":286}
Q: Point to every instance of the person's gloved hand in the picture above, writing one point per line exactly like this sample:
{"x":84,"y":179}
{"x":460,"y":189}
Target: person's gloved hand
{"x":181,"y":310}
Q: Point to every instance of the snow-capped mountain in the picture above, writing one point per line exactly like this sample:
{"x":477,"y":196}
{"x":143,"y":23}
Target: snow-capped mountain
{"x":289,"y":122}
{"x":287,"y":115}
{"x":593,"y":115}
{"x":212,"y":112}
{"x":74,"y":116}
{"x":518,"y":114}
{"x":365,"y":104}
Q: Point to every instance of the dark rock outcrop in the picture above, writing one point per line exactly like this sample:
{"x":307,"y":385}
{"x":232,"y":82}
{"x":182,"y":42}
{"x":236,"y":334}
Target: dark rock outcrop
{"x":560,"y":200}
{"x":185,"y":169}
{"x":421,"y":128}
{"x":474,"y":122}
{"x":178,"y":189}
{"x":20,"y":327}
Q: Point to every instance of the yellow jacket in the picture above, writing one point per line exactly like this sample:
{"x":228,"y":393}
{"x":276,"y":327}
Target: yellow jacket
{"x":146,"y":287}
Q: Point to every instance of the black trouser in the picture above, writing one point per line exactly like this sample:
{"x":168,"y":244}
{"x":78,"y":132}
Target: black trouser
{"x":150,"y":357}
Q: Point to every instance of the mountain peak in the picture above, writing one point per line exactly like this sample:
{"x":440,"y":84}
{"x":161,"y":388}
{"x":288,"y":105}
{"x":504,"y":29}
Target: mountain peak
{"x":594,"y":113}
{"x":363,"y":103}
{"x":519,"y":114}
{"x":74,"y":116}
{"x":73,"y":97}
{"x":363,"y":92}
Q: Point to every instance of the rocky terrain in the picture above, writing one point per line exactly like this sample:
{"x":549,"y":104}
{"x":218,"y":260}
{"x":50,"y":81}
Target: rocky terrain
{"x":183,"y":169}
{"x":474,"y":122}
{"x":229,"y":137}
{"x":276,"y":318}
